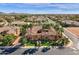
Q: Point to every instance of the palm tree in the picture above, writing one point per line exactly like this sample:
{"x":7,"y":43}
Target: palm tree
{"x":56,"y":27}
{"x":46,"y":26}
{"x":60,"y":30}
{"x":23,"y":41}
{"x":30,"y":26}
{"x":23,"y":29}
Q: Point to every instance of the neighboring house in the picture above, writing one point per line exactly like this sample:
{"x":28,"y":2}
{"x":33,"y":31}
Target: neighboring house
{"x":38,"y":33}
{"x":18,"y":23}
{"x":73,"y":34}
{"x":70,"y":22}
{"x":2,"y":23}
{"x":11,"y":30}
{"x":36,"y":19}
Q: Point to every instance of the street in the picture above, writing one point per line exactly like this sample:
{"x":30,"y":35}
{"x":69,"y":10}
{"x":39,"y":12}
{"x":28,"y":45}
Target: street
{"x":52,"y":51}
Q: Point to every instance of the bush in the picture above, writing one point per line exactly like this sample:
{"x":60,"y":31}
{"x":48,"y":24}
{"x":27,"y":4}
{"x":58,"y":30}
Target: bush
{"x":25,"y":41}
{"x":8,"y":38}
{"x":59,"y":42}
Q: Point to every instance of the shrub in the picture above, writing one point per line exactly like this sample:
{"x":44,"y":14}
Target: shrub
{"x":8,"y":38}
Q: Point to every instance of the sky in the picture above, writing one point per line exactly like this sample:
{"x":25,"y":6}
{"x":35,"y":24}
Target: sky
{"x":40,"y":8}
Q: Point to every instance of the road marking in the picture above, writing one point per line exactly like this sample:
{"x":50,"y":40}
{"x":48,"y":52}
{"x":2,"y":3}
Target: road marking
{"x":74,"y":48}
{"x":75,"y":51}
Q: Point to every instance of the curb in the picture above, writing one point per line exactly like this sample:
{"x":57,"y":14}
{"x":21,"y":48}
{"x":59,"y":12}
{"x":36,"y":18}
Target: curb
{"x":70,"y":44}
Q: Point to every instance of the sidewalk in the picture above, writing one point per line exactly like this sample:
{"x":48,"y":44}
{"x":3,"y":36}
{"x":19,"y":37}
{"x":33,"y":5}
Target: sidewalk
{"x":28,"y":47}
{"x":70,"y":44}
{"x":34,"y":46}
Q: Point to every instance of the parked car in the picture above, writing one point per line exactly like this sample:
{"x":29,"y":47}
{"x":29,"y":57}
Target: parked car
{"x":45,"y":49}
{"x":61,"y":47}
{"x":30,"y":51}
{"x":26,"y":52}
{"x":9,"y":50}
{"x":33,"y":50}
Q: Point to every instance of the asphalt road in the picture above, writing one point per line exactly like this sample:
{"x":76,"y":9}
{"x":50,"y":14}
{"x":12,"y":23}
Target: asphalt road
{"x":52,"y":51}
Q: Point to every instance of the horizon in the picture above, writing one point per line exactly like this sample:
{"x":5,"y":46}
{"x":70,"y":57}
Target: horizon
{"x":40,"y":8}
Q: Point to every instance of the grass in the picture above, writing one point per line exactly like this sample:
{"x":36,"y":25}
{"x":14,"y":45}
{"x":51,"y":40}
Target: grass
{"x":30,"y":44}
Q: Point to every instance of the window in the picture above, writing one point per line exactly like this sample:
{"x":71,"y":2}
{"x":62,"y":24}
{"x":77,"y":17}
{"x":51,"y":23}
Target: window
{"x":39,"y":31}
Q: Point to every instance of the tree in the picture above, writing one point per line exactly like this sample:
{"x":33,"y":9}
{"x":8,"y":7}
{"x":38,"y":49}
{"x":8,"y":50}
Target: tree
{"x":46,"y":26}
{"x":23,"y":41}
{"x":30,"y":26}
{"x":59,"y":28}
{"x":1,"y":37}
{"x":8,"y":38}
{"x":53,"y":43}
{"x":23,"y":29}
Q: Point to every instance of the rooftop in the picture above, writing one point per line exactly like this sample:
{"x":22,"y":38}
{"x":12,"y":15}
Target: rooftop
{"x":10,"y":30}
{"x":37,"y":33}
{"x":35,"y":29}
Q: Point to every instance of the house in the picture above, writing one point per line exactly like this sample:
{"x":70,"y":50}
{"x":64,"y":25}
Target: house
{"x":11,"y":30}
{"x":38,"y":33}
{"x":18,"y":23}
{"x":36,"y":19}
{"x":70,"y":22}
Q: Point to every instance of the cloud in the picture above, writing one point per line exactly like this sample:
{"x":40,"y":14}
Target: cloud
{"x":67,"y":6}
{"x":40,"y":7}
